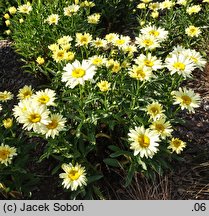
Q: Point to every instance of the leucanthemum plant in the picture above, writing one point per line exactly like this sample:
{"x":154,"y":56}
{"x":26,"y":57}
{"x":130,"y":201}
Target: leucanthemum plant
{"x":111,"y":93}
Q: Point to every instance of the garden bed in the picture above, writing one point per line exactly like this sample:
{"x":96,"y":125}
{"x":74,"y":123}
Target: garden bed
{"x":189,"y":180}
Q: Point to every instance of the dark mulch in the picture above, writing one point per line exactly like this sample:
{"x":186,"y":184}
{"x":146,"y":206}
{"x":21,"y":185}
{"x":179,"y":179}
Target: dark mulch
{"x":190,"y":178}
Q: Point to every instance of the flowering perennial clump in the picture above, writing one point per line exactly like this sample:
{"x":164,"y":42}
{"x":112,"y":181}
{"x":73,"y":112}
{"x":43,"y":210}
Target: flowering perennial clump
{"x":125,"y":88}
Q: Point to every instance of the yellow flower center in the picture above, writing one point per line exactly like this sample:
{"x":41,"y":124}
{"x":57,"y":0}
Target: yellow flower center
{"x":148,"y":63}
{"x":159,"y":127}
{"x":179,"y":65}
{"x":120,"y":42}
{"x":60,"y":54}
{"x":143,"y":141}
{"x":83,"y":40}
{"x":3,"y":97}
{"x":97,"y":61}
{"x":4,"y":154}
{"x":176,"y":143}
{"x":78,"y":72}
{"x":154,"y":33}
{"x":148,"y":42}
{"x":154,"y":110}
{"x":186,"y":99}
{"x":44,"y":99}
{"x":52,"y":125}
{"x":74,"y":175}
{"x":27,"y":94}
{"x":140,"y":74}
{"x":34,"y":118}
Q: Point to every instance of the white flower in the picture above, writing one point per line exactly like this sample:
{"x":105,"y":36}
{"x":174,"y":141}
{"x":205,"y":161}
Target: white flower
{"x":77,"y":73}
{"x":180,"y":64}
{"x":143,"y":141}
{"x":187,"y":99}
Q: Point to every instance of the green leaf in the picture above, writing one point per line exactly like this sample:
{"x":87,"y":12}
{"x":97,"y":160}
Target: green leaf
{"x":94,"y":178}
{"x":114,"y":148}
{"x":119,"y":153}
{"x":112,"y":162}
{"x":130,"y":175}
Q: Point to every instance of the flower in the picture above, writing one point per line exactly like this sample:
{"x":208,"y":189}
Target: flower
{"x":155,"y":110}
{"x":40,"y":60}
{"x":7,"y":22}
{"x":196,"y":58}
{"x":111,"y":37}
{"x":64,"y":40}
{"x":193,"y":9}
{"x":25,"y":92}
{"x":155,"y":14}
{"x":21,"y":20}
{"x":121,"y":41}
{"x":148,"y":42}
{"x":71,"y":10}
{"x":182,"y":2}
{"x":186,"y":98}
{"x":193,"y":31}
{"x":73,"y":177}
{"x":103,"y":85}
{"x":77,"y":73}
{"x":12,"y":10}
{"x":34,"y":117}
{"x":97,"y":60}
{"x":143,"y":141}
{"x":6,"y":154}
{"x":141,"y":6}
{"x":177,"y":145}
{"x":5,"y":96}
{"x":94,"y":18}
{"x":166,"y":4}
{"x":161,"y":127}
{"x":8,"y":32}
{"x":25,"y":8}
{"x":181,"y":64}
{"x":149,"y":61}
{"x":0,"y":107}
{"x":52,"y":19}
{"x":83,"y":39}
{"x":6,"y":16}
{"x":8,"y":123}
{"x":159,"y":33}
{"x":45,"y":97}
{"x":99,"y":43}
{"x":53,"y":47}
{"x":56,"y":124}
{"x":140,"y":73}
{"x":59,"y":55}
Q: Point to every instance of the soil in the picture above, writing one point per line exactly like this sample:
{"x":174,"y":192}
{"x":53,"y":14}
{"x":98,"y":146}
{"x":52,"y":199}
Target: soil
{"x":190,"y":177}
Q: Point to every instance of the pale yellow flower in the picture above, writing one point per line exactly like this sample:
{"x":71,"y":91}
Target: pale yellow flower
{"x":94,"y":18}
{"x":12,"y":10}
{"x":193,"y":9}
{"x":73,"y":177}
{"x":6,"y":16}
{"x":193,"y":31}
{"x":162,"y":128}
{"x":7,"y":22}
{"x":52,"y":19}
{"x":5,"y":96}
{"x":7,"y":123}
{"x":25,"y":92}
{"x":71,"y":10}
{"x":6,"y":154}
{"x":59,"y":55}
{"x":83,"y":39}
{"x":155,"y":110}
{"x":177,"y":145}
{"x":56,"y":124}
{"x":143,"y":141}
{"x":40,"y":60}
{"x":103,"y":85}
{"x":140,"y":73}
{"x":25,"y":8}
{"x":187,"y":99}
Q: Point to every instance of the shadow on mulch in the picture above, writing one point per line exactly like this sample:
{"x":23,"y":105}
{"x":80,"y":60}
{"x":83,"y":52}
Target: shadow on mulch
{"x":190,"y":178}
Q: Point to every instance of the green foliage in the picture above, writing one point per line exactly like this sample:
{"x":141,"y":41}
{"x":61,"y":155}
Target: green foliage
{"x":104,"y":119}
